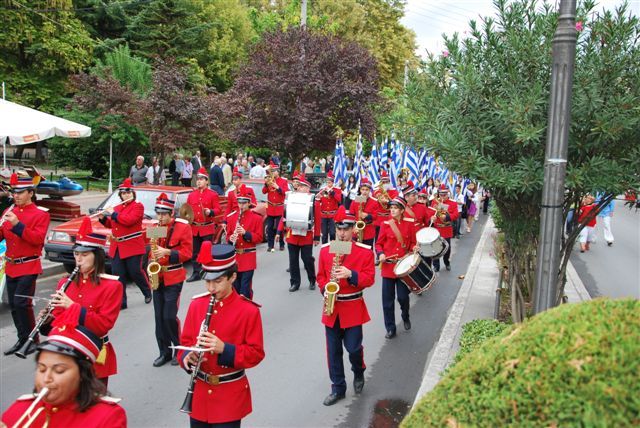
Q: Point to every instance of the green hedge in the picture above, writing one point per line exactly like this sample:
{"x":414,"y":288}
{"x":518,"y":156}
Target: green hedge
{"x":575,"y":365}
{"x":475,"y":333}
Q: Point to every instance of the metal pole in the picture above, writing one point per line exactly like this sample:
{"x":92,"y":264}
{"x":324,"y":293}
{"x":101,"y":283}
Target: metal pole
{"x":303,"y":15}
{"x":110,"y":188}
{"x":548,"y":262}
{"x":4,"y":141}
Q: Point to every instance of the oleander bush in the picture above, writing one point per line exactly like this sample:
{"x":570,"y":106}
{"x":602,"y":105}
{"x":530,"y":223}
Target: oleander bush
{"x":574,"y":365}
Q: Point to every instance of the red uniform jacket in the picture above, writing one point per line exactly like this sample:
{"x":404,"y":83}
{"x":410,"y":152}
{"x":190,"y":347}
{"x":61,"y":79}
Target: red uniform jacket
{"x":420,"y":214}
{"x":246,"y":244}
{"x":232,"y":201}
{"x":181,"y":245}
{"x":200,"y":200}
{"x":236,"y":321}
{"x":370,"y":209}
{"x":329,"y":202}
{"x":446,"y":228}
{"x":388,"y":244}
{"x":275,"y":197}
{"x":126,"y":228}
{"x":383,"y":214}
{"x":104,"y":414}
{"x":360,"y":262}
{"x":96,"y":307}
{"x":584,"y":212}
{"x":25,"y":239}
{"x":312,"y":235}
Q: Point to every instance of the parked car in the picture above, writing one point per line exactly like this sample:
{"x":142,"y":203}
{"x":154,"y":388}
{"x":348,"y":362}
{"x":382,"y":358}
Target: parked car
{"x":60,"y":240}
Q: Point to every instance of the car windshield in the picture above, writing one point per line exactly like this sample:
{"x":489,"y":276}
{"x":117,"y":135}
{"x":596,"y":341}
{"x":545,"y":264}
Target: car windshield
{"x":257,"y":189}
{"x":148,"y":199}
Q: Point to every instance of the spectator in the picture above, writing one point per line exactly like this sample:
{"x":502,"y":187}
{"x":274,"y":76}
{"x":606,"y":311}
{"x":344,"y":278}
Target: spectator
{"x":470,"y":202}
{"x":227,"y":170}
{"x":251,"y":162}
{"x":587,"y":216}
{"x":275,"y":158}
{"x":187,"y":173}
{"x":179,"y":169}
{"x":258,"y":170}
{"x":309,"y":168}
{"x":605,"y":215}
{"x":329,"y":164}
{"x":196,"y":163}
{"x":172,"y":170}
{"x":350,"y":192}
{"x":216,"y":177}
{"x":246,"y":168}
{"x":323,"y":165}
{"x":138,"y":172}
{"x":155,"y":173}
{"x":486,"y":198}
{"x":458,"y":197}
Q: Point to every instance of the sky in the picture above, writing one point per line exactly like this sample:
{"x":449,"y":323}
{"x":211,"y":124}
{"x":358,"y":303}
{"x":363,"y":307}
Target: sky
{"x":430,"y":18}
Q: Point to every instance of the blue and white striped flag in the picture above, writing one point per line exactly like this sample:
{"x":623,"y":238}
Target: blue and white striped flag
{"x":374,"y":169}
{"x":357,"y":160}
{"x":411,"y":162}
{"x":384,"y":154}
{"x":339,"y":164}
{"x":423,"y":172}
{"x":396,"y":157}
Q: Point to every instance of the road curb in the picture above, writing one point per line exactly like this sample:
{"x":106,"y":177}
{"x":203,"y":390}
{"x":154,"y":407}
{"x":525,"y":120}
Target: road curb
{"x":573,"y":280}
{"x":446,"y":346}
{"x":52,"y":269}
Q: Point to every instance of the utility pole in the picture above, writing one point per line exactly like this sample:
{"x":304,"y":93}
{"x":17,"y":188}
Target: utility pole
{"x":555,"y":166}
{"x":303,"y":15}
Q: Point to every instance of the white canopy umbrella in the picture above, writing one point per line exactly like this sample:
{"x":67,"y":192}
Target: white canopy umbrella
{"x":24,"y":125}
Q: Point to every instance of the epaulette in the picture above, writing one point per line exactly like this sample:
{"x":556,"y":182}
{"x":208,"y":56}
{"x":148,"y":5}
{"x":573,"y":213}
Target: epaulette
{"x":26,"y":397}
{"x":197,"y":296}
{"x":408,"y":219}
{"x":231,"y":213}
{"x":181,"y":220}
{"x":250,"y":301}
{"x":110,"y":400}
{"x":43,"y":209}
{"x":107,"y":276}
{"x":360,"y":244}
{"x":324,"y":245}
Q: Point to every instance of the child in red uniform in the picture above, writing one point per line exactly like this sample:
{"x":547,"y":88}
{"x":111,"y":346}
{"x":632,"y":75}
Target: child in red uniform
{"x":587,"y":215}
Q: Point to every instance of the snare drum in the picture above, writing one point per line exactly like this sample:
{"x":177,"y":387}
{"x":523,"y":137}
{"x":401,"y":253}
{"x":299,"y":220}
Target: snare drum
{"x":431,"y":243}
{"x":415,"y":273}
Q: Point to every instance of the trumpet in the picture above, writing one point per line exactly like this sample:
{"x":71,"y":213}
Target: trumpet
{"x":27,"y":414}
{"x":22,"y":352}
{"x":154,"y":268}
{"x":269,"y":180}
{"x":332,"y":288}
{"x":6,"y":212}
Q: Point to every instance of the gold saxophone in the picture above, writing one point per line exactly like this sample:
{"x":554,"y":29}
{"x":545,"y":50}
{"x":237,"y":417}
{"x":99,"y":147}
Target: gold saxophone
{"x":154,"y":268}
{"x":360,"y":224}
{"x":332,"y":288}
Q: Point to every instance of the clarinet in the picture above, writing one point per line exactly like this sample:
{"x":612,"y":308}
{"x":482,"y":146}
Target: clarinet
{"x":188,"y":400}
{"x":22,"y":353}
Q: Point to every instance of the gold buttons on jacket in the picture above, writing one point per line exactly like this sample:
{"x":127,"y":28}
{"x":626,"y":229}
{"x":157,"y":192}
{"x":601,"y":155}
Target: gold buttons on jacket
{"x":209,"y":392}
{"x":54,"y":409}
{"x":79,"y":296}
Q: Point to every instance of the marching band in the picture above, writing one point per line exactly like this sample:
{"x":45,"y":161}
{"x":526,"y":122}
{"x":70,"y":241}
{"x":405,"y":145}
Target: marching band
{"x":404,"y":233}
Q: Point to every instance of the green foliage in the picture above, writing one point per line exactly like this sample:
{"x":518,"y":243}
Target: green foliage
{"x":132,"y":73}
{"x":92,"y":153}
{"x":39,"y":50}
{"x":209,"y":36}
{"x":477,"y":332}
{"x":575,"y":365}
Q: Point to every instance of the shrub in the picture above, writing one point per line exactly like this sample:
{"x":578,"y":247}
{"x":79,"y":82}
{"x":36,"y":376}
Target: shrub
{"x":575,"y":365}
{"x":475,"y":333}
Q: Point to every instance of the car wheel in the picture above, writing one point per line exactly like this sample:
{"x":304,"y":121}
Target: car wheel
{"x":69,"y":267}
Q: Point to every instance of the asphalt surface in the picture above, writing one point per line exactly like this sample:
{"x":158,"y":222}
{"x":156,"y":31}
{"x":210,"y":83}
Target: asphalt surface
{"x":289,"y":385}
{"x":612,"y":271}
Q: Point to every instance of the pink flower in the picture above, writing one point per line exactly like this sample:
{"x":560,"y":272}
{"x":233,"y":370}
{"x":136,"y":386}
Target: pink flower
{"x":445,"y":53}
{"x":579,"y":26}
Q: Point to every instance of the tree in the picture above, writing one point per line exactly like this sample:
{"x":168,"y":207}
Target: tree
{"x":298,"y":88}
{"x":483,"y":106}
{"x":39,"y":49}
{"x":132,"y":72}
{"x":211,"y":37}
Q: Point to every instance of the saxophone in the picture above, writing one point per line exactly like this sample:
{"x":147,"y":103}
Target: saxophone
{"x":383,"y":195}
{"x":360,"y":224}
{"x":332,"y":288}
{"x":154,"y":268}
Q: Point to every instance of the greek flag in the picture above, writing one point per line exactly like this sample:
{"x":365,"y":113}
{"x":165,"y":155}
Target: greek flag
{"x":396,"y":156}
{"x":339,"y":167}
{"x":357,"y":160}
{"x":384,"y":154}
{"x":423,"y":172}
{"x":374,"y":169}
{"x":411,"y":162}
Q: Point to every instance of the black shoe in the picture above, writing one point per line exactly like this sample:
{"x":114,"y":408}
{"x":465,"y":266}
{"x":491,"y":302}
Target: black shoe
{"x":16,"y":347}
{"x":288,"y":270}
{"x":448,"y":267}
{"x":407,"y":325}
{"x":390,"y":335}
{"x":358,"y":383}
{"x":174,"y":361}
{"x":609,"y":244}
{"x":436,"y":268}
{"x":281,"y":248}
{"x":332,"y":399}
{"x":312,"y":286}
{"x":161,"y":361}
{"x":147,"y":299}
{"x":123,"y":306}
{"x":195,"y":276}
{"x":294,"y":288}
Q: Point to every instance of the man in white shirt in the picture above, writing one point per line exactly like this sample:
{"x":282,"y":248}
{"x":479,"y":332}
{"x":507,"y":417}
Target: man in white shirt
{"x":155,"y":173}
{"x":458,"y":196}
{"x":227,"y":171}
{"x":258,"y":171}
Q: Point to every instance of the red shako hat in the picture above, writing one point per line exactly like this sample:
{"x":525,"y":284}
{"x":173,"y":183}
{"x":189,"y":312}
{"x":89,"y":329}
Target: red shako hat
{"x":216,"y":259}
{"x":86,"y":239}
{"x":164,"y":204}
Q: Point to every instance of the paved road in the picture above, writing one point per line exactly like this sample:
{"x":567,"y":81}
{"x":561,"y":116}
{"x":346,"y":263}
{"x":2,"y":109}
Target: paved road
{"x":613,"y":271}
{"x":289,"y":385}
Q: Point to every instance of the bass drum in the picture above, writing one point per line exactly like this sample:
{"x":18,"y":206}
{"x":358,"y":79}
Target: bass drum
{"x":415,"y":273}
{"x":431,"y":244}
{"x":298,"y":212}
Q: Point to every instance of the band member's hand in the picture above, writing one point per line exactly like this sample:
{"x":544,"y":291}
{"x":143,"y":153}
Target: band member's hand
{"x":224,"y":226}
{"x":211,"y":342}
{"x":107,"y":212}
{"x":382,"y":258}
{"x":191,"y":359}
{"x":11,"y":218}
{"x":433,"y":219}
{"x":316,"y":243}
{"x":207,"y":212}
{"x":241,"y":230}
{"x":42,"y":313}
{"x":342,"y":272}
{"x":161,"y":252}
{"x":59,"y":299}
{"x":416,"y":249}
{"x":277,"y":237}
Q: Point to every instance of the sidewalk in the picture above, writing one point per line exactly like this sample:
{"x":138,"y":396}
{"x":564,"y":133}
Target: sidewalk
{"x":476,"y":300}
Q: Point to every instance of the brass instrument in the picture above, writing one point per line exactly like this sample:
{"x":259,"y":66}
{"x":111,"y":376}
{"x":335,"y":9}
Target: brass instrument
{"x":186,"y":213}
{"x":22,"y":352}
{"x":27,"y":414}
{"x":154,"y":268}
{"x":360,"y":224}
{"x":6,"y":212}
{"x":332,"y":288}
{"x":269,"y":179}
{"x":442,"y":211}
{"x":188,"y":400}
{"x":382,"y":196}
